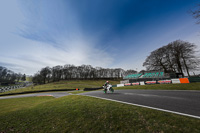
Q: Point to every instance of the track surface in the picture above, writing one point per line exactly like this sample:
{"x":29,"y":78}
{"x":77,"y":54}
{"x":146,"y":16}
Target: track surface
{"x":187,"y":102}
{"x":54,"y":94}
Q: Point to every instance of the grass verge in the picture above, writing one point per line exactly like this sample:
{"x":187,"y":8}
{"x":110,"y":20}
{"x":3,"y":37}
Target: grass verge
{"x":13,"y":105}
{"x":81,"y":84}
{"x":85,"y":114}
{"x":190,"y":86}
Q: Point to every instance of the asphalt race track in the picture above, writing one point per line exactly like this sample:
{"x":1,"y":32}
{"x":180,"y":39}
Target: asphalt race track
{"x":186,"y":102}
{"x":54,"y":94}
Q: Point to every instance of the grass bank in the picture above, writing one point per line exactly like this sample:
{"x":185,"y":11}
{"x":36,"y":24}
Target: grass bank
{"x":81,"y":84}
{"x":85,"y":114}
{"x":14,"y":105}
{"x":190,"y":86}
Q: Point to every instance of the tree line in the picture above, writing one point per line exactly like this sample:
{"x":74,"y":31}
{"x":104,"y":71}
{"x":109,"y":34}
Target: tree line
{"x":9,"y":77}
{"x":71,"y":72}
{"x":178,"y":56}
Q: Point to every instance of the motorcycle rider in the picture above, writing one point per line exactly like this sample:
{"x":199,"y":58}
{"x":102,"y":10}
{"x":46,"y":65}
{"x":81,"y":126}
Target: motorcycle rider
{"x":108,"y":87}
{"x":106,"y":84}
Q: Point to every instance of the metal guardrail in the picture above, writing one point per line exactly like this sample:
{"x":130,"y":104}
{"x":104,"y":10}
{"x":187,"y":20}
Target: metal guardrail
{"x":9,"y":88}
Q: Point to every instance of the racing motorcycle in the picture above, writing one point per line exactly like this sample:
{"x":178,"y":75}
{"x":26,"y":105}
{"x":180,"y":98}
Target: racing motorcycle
{"x":108,"y":88}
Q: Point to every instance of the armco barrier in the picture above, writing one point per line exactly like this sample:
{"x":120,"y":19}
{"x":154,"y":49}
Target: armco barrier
{"x":164,"y":81}
{"x":150,"y":82}
{"x":136,"y":83}
{"x":127,"y":84}
{"x":176,"y":81}
{"x":184,"y":80}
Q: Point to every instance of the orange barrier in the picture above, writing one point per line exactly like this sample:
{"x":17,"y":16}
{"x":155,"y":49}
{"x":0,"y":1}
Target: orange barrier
{"x":184,"y":80}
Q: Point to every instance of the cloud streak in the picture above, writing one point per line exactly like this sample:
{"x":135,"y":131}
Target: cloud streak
{"x":50,"y":35}
{"x":40,"y":54}
{"x":46,"y":21}
{"x":37,"y":33}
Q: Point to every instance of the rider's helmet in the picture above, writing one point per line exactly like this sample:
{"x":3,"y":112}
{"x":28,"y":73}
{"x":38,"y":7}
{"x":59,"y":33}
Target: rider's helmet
{"x":107,"y":81}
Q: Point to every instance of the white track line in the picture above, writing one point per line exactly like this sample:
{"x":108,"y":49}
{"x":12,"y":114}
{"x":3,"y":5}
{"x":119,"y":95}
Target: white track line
{"x":193,"y":116}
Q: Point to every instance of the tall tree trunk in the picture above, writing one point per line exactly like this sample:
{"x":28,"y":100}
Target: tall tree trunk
{"x":186,"y":67}
{"x":179,"y":64}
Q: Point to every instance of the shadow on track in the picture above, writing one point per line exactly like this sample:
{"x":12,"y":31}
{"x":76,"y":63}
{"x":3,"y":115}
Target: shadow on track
{"x":112,"y":93}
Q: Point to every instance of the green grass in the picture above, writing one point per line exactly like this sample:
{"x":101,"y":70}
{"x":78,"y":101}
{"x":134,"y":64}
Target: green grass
{"x":190,"y":86}
{"x":85,"y":114}
{"x":81,"y":84}
{"x":12,"y":105}
{"x":29,"y":79}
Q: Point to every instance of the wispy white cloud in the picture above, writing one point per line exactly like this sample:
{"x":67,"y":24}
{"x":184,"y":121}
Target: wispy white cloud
{"x":36,"y":34}
{"x":32,"y":57}
{"x":46,"y":37}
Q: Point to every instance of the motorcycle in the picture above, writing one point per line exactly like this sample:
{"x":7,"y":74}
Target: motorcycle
{"x":108,"y":88}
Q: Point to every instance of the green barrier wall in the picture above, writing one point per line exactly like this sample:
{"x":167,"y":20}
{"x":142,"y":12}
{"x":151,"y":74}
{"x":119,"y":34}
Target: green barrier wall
{"x":194,"y":79}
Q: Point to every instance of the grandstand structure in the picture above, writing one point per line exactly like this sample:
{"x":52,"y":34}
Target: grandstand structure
{"x":147,"y":76}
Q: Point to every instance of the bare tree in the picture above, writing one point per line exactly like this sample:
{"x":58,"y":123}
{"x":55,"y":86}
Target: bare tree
{"x":130,"y":71}
{"x":189,"y":60}
{"x":37,"y":78}
{"x":8,"y":76}
{"x":177,"y":56}
{"x":56,"y":73}
{"x":196,"y":13}
{"x":19,"y":76}
{"x":156,"y":61}
{"x":45,"y":74}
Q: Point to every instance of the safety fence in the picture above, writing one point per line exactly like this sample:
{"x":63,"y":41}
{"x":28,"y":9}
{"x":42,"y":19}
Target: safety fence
{"x":166,"y":81}
{"x":9,"y":88}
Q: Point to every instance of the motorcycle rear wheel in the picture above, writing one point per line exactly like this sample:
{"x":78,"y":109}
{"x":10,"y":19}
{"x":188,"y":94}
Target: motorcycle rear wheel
{"x":112,"y":90}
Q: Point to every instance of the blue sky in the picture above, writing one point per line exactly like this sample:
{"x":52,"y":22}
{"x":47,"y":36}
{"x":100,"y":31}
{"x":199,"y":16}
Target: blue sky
{"x":106,"y":33}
